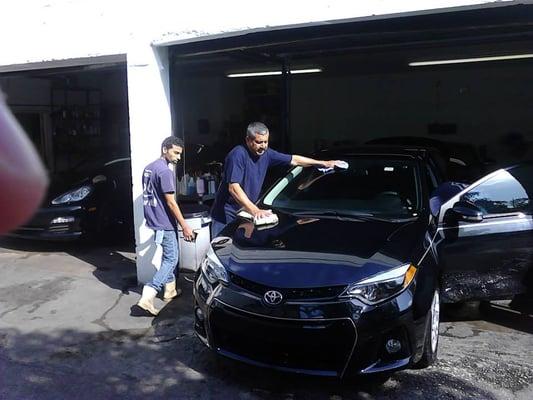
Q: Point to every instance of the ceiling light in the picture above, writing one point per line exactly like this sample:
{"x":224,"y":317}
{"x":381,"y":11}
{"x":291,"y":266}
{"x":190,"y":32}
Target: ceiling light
{"x":470,"y":60}
{"x":270,"y":73}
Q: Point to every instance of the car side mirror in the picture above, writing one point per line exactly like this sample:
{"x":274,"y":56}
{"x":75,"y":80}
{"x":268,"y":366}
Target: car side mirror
{"x":467,"y":212}
{"x":442,"y":194}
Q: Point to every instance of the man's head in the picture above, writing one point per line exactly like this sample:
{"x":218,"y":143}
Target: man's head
{"x":257,"y":138}
{"x":171,"y":149}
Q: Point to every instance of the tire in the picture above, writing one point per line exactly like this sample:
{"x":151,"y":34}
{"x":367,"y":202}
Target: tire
{"x":431,"y":340}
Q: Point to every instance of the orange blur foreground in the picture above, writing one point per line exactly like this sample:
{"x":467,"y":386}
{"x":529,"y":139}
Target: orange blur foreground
{"x":23,"y":179}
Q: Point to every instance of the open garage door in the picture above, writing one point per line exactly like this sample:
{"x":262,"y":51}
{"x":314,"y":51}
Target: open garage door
{"x":363,"y":82}
{"x":77,"y":117}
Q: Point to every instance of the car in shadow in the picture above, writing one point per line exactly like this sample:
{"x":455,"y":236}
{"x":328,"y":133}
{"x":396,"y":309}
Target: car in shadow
{"x":350,"y":278}
{"x":463,"y":161}
{"x":97,"y":206}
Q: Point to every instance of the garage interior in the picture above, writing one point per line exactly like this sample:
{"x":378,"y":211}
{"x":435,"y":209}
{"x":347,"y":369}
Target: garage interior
{"x":77,"y":117}
{"x":366,"y":88}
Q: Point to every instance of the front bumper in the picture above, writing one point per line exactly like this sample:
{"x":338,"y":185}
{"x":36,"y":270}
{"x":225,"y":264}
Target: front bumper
{"x":330,"y":338}
{"x":42,"y":227}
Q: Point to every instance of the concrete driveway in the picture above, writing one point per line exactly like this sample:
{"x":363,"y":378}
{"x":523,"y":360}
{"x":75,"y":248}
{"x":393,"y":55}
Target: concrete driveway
{"x":66,"y":332}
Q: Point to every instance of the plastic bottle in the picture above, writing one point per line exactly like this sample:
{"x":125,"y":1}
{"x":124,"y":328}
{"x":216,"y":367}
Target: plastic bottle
{"x":200,"y":186}
{"x":191,"y":186}
{"x":183,"y":184}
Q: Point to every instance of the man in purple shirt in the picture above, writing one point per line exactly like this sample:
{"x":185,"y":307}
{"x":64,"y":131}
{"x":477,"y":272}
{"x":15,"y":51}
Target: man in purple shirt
{"x":162,"y":214}
{"x":245,"y":168}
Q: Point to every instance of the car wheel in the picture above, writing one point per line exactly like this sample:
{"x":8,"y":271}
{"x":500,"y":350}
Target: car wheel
{"x":431,"y":342}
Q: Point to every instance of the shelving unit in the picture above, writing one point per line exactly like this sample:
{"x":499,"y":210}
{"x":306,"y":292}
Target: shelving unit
{"x":76,"y":126}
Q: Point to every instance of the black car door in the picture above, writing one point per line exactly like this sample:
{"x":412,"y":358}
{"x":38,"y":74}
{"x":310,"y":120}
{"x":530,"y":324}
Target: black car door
{"x":118,"y":196}
{"x":490,"y":258}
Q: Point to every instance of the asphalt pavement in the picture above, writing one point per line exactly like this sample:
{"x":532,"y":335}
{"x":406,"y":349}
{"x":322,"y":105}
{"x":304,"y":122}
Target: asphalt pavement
{"x":66,"y":332}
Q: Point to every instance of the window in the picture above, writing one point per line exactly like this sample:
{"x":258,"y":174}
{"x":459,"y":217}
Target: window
{"x":372,"y":185}
{"x":508,"y":192}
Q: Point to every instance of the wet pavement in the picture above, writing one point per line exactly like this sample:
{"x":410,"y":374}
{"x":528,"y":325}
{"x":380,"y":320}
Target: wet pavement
{"x":66,"y":332}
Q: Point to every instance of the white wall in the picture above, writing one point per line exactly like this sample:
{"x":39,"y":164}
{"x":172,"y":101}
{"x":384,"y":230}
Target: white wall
{"x":49,"y":30}
{"x":150,"y":124}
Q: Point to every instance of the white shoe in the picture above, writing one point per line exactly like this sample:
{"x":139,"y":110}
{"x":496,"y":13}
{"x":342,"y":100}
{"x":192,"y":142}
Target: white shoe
{"x":147,"y":300}
{"x":171,"y":291}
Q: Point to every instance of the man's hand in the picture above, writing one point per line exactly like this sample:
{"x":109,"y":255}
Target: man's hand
{"x":188,"y":233}
{"x":329,"y":163}
{"x":258,"y":213}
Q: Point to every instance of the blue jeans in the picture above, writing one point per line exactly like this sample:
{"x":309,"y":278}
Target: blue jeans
{"x":216,"y":228}
{"x":169,"y":260}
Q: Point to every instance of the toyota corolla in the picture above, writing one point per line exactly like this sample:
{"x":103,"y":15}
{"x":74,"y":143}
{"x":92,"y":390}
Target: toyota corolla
{"x":351,"y":277}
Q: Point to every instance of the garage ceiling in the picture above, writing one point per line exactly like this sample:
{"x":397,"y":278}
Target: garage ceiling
{"x":368,"y":46}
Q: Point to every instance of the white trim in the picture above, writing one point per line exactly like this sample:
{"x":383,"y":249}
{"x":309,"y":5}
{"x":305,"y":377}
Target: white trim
{"x":174,"y":39}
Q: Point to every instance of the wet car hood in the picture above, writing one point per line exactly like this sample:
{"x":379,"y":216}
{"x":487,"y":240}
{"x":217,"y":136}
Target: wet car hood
{"x":315,"y":252}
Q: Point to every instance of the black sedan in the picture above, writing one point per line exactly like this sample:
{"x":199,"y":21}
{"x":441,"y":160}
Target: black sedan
{"x":97,"y":206}
{"x":350,"y":279}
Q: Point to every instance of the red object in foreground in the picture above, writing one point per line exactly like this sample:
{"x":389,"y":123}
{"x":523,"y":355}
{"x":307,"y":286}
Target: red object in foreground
{"x":23,"y":179}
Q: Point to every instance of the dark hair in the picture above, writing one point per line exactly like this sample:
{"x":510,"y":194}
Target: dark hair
{"x":171,"y":141}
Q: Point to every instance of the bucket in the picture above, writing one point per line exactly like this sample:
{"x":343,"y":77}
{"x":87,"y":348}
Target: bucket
{"x":191,"y":254}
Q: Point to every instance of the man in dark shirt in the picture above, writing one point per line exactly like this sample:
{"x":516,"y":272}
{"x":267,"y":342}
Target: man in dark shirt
{"x":162,"y":214}
{"x":245,"y":168}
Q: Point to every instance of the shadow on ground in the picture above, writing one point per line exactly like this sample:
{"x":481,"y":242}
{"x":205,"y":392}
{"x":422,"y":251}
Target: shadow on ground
{"x":134,"y":365}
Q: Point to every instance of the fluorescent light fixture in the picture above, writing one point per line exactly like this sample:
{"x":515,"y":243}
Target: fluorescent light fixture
{"x":270,"y":73}
{"x":470,"y":60}
{"x":306,"y":71}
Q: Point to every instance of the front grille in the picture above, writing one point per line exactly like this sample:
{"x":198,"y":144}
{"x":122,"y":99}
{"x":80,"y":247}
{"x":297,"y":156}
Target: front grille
{"x":59,"y":228}
{"x":315,"y":293}
{"x":321,"y":345}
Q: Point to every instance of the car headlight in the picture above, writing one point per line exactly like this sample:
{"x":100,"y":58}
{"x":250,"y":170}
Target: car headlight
{"x":213,"y":269}
{"x":73,"y":195}
{"x":383,"y":286}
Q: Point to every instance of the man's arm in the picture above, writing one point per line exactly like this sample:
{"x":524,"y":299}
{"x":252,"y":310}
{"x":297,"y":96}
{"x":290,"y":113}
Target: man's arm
{"x":188,"y":234}
{"x":309,"y":162}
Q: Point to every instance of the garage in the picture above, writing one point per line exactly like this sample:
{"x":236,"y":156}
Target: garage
{"x":77,"y":118}
{"x":72,"y":113}
{"x":460,"y":77}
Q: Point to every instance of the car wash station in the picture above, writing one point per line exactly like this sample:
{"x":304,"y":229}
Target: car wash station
{"x":388,"y":252}
{"x":451,"y":78}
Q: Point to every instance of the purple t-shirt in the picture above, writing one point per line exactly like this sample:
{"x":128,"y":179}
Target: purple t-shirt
{"x":158,"y":179}
{"x":249,"y":172}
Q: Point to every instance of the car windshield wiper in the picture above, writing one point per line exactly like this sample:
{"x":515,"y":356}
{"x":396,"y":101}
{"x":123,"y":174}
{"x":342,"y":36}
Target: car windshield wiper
{"x":333,"y":213}
{"x":360,"y":216}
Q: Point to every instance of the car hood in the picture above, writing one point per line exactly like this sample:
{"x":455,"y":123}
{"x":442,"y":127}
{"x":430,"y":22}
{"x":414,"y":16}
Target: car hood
{"x":316,"y":252}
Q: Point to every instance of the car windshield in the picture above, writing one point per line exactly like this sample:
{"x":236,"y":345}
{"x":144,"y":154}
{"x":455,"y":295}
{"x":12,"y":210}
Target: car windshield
{"x":370,"y":186}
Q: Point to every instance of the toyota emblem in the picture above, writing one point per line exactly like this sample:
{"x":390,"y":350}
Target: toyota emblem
{"x":273,"y":297}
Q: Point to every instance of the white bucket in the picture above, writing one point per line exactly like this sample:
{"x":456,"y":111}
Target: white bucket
{"x":191,"y":254}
